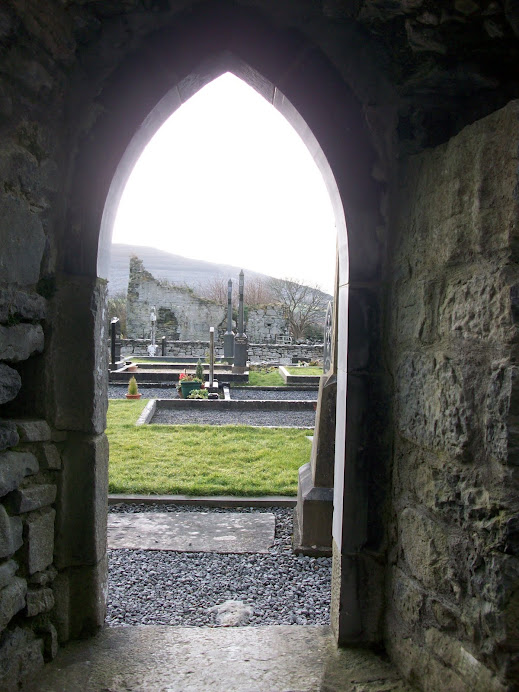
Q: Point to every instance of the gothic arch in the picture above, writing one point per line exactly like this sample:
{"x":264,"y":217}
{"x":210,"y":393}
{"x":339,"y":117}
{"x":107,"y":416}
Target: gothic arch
{"x":141,"y":91}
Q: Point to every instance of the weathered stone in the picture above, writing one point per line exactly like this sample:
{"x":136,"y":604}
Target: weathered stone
{"x":10,"y":383}
{"x":14,"y":466}
{"x":33,"y":430}
{"x":12,"y":600}
{"x":20,"y":341}
{"x":39,"y":601}
{"x":50,"y":640}
{"x":31,"y":498}
{"x":22,"y":241}
{"x":8,"y":435}
{"x":49,"y":457}
{"x":20,"y":657}
{"x":429,"y":386}
{"x":425,"y":547}
{"x":40,"y":540}
{"x":407,"y":596}
{"x":10,"y":533}
{"x":21,"y":305}
{"x":7,"y":571}
{"x":45,"y":577}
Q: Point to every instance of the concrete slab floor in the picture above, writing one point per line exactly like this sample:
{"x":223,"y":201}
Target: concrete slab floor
{"x":240,"y":659}
{"x":192,"y":532}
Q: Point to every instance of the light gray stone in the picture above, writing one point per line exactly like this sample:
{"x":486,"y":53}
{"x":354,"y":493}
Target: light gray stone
{"x":20,"y":341}
{"x":33,"y":430}
{"x":425,"y":547}
{"x":40,"y":540}
{"x":8,"y":435}
{"x":7,"y":571}
{"x":39,"y":601}
{"x":10,"y":533}
{"x":49,"y":457}
{"x":29,"y":499}
{"x":192,"y":532}
{"x":21,"y":652}
{"x":22,"y":305}
{"x":22,"y":241}
{"x":14,"y":466}
{"x":12,"y":600}
{"x":10,"y":383}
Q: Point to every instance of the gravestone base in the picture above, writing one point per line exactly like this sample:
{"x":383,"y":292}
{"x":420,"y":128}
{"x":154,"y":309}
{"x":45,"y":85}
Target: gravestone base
{"x":312,"y":517}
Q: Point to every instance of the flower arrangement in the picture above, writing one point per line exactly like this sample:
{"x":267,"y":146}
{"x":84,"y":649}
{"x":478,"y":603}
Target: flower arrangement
{"x":198,"y":394}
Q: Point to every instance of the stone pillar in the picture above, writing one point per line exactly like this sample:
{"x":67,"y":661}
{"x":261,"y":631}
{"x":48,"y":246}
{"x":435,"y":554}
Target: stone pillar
{"x":240,"y":341}
{"x":211,"y":356}
{"x":115,"y":348}
{"x":163,"y":343}
{"x":228,"y":337}
{"x":314,"y":510}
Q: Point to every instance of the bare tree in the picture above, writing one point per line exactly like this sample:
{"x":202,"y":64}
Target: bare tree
{"x":303,"y":305}
{"x":117,"y":308}
{"x":257,"y":291}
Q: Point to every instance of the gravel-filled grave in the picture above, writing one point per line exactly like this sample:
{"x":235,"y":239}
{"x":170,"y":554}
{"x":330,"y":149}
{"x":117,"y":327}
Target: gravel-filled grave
{"x":154,"y":587}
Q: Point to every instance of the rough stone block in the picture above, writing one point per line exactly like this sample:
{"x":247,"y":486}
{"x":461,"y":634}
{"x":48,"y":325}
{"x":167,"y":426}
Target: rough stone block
{"x":433,"y":404}
{"x":45,"y":577}
{"x":50,"y":640}
{"x":20,"y":341}
{"x":29,"y":499}
{"x":408,"y":599}
{"x":7,"y":571}
{"x":10,"y":533}
{"x":14,"y":466}
{"x":83,"y":501}
{"x":10,"y":383}
{"x":39,"y":601}
{"x":33,"y":430}
{"x":81,"y":405}
{"x":425,"y":546}
{"x":20,"y":651}
{"x":22,"y":305}
{"x":22,"y":241}
{"x":12,"y":600}
{"x":8,"y":435}
{"x":49,"y":457}
{"x":40,"y":540}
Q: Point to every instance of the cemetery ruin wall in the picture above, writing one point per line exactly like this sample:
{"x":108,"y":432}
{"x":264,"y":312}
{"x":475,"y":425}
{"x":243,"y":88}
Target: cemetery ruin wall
{"x":184,"y":316}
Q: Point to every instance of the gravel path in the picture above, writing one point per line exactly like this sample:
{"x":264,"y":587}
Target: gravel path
{"x":152,"y":587}
{"x":244,"y":394}
{"x":278,"y":419}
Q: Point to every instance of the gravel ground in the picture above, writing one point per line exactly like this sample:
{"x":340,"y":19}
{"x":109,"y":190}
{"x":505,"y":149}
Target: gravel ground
{"x":238,"y":393}
{"x":165,"y":588}
{"x":245,"y":394}
{"x":290,"y":419}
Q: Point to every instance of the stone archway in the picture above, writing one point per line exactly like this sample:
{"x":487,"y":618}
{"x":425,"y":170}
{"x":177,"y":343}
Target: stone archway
{"x":293,"y":75}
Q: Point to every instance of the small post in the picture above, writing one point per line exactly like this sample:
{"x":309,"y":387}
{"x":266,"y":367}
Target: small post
{"x":211,"y":356}
{"x":113,"y":335}
{"x":163,"y":344}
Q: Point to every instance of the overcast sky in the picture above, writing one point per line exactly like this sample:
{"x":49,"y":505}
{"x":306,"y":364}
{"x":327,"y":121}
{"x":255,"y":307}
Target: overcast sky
{"x":227,"y":179}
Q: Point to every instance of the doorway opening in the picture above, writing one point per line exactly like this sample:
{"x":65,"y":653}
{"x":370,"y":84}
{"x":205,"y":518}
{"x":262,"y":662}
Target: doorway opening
{"x":303,"y":607}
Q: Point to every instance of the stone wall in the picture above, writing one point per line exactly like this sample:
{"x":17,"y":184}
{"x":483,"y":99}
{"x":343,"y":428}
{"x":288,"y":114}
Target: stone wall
{"x":271,"y":353}
{"x":181,"y":314}
{"x":453,"y":586}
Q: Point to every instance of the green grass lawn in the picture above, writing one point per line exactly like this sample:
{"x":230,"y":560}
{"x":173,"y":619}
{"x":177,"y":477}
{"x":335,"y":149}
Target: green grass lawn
{"x":201,"y":460}
{"x":308,"y":371}
{"x":269,"y":377}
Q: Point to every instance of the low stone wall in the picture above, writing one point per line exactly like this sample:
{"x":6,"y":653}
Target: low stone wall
{"x":270,"y":353}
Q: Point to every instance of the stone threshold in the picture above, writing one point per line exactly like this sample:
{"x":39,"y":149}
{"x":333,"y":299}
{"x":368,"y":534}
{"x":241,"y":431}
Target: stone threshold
{"x":205,"y":500}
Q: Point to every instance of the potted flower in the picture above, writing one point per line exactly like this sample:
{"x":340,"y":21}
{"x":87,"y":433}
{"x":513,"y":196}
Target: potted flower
{"x":188,"y":383}
{"x":133,"y":389}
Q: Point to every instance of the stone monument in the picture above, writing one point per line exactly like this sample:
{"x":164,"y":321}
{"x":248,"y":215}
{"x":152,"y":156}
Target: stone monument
{"x":228,"y":337}
{"x":240,"y":340}
{"x":152,"y":348}
{"x":314,"y":510}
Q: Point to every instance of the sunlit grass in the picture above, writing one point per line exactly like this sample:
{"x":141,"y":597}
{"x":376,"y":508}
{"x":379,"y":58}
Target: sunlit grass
{"x":263,"y":378}
{"x":308,"y":371}
{"x":201,"y":460}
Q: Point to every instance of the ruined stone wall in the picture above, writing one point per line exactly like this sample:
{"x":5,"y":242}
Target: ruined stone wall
{"x":265,"y":323}
{"x":181,"y":315}
{"x":453,"y":583}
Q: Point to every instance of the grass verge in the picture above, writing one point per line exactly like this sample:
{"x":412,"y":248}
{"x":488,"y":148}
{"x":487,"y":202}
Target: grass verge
{"x":308,"y":371}
{"x":268,"y":377}
{"x":201,"y":460}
